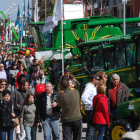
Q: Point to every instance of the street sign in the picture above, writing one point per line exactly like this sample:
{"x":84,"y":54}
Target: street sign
{"x":124,"y":1}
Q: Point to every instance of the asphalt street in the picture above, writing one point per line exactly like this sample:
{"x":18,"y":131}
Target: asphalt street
{"x":41,"y":137}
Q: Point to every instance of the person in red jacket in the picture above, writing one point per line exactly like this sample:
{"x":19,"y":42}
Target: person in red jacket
{"x":21,"y":67}
{"x":101,"y":114}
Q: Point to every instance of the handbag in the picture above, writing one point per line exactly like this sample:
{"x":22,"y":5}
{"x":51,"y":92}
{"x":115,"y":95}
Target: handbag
{"x":93,"y":112}
{"x":15,"y":120}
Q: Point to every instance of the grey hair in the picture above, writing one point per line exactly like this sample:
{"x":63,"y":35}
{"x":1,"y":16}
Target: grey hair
{"x":48,"y":83}
{"x":131,"y":135}
{"x":114,"y":76}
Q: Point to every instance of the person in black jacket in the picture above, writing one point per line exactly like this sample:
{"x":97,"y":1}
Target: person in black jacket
{"x":49,"y":111}
{"x":55,"y":71}
{"x":8,"y":111}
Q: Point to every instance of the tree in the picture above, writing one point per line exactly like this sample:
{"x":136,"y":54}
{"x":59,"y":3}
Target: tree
{"x":103,"y":10}
{"x":91,"y":7}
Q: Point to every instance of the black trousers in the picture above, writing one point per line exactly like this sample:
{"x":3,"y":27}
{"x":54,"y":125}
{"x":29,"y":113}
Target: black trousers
{"x":74,"y":127}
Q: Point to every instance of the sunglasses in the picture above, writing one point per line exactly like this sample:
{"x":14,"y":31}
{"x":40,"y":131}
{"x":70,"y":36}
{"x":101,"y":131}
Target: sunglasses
{"x":1,"y":66}
{"x":106,"y":77}
{"x":3,"y":84}
{"x":97,"y":79}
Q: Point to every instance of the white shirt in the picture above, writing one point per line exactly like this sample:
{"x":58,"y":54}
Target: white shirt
{"x":31,"y":59}
{"x":3,"y":75}
{"x":88,"y":95}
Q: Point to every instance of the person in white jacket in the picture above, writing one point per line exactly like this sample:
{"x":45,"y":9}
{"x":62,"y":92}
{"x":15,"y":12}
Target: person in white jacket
{"x":87,"y":97}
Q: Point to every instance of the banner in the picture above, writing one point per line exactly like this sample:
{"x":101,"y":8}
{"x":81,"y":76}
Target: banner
{"x":54,"y":17}
{"x":2,"y":35}
{"x":24,"y":14}
{"x":35,"y":13}
{"x":10,"y":31}
{"x":6,"y":32}
{"x":17,"y":20}
{"x":29,"y":12}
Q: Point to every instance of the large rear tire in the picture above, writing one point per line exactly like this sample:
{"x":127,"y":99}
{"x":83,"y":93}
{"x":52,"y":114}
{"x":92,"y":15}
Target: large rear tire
{"x":118,"y":128}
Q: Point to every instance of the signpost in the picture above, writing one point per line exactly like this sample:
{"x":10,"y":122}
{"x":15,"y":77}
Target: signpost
{"x":124,"y":24}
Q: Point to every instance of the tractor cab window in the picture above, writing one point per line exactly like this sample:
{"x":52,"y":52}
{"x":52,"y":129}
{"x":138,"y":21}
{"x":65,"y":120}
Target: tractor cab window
{"x":97,"y":62}
{"x":108,"y":59}
{"x":119,"y":56}
{"x":130,"y":53}
{"x":42,"y":39}
{"x":46,"y":37}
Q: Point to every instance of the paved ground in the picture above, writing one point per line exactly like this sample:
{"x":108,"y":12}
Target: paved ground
{"x":40,"y":135}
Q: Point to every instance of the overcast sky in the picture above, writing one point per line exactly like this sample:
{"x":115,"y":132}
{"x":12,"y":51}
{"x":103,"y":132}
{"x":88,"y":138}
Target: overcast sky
{"x":5,"y":5}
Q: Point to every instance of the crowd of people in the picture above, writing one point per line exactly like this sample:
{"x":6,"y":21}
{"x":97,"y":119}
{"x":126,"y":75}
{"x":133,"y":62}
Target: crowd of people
{"x":28,"y":96}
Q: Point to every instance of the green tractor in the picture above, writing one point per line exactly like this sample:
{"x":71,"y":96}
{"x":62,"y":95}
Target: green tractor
{"x":110,"y":50}
{"x":129,"y":112}
{"x":75,"y":31}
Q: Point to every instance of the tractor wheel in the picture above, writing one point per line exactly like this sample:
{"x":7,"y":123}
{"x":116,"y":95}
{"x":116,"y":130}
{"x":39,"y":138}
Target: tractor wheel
{"x":118,"y":128}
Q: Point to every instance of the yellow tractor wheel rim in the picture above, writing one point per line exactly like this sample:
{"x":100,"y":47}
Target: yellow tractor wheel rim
{"x":117,"y":132}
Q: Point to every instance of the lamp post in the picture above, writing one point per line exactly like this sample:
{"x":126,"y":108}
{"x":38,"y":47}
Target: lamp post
{"x":124,"y":23}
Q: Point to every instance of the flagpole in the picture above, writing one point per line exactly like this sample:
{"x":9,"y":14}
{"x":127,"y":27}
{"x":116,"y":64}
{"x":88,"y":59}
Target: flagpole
{"x":45,"y":10}
{"x":62,"y":36}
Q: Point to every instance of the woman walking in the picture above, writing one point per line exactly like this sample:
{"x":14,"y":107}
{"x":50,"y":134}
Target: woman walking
{"x":101,"y":115}
{"x":27,"y":119}
{"x":7,"y":113}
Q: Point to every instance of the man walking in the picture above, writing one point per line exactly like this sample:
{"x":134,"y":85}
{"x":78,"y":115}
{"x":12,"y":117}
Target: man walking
{"x":20,"y":94}
{"x":87,"y":97}
{"x":71,"y":116}
{"x":48,"y":110}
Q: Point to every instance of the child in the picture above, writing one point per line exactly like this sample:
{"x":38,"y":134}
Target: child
{"x":8,"y":111}
{"x":75,"y":83}
{"x":27,"y":119}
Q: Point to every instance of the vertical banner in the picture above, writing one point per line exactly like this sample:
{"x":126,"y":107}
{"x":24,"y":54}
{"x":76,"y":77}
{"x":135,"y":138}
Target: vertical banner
{"x":2,"y":35}
{"x":24,"y":14}
{"x":35,"y":12}
{"x":29,"y":12}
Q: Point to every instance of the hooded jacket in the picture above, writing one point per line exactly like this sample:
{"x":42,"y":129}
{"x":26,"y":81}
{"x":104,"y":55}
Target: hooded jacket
{"x":88,"y":95}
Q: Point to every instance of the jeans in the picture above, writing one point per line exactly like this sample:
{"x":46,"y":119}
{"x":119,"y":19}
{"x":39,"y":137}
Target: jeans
{"x":9,"y":131}
{"x":91,"y":133}
{"x":12,"y":88}
{"x":49,"y":124}
{"x":74,"y":127}
{"x":101,"y":130}
{"x":30,"y":132}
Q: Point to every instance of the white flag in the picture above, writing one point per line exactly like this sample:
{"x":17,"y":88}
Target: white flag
{"x":6,"y":32}
{"x":35,"y":13}
{"x":10,"y":31}
{"x":53,"y":19}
